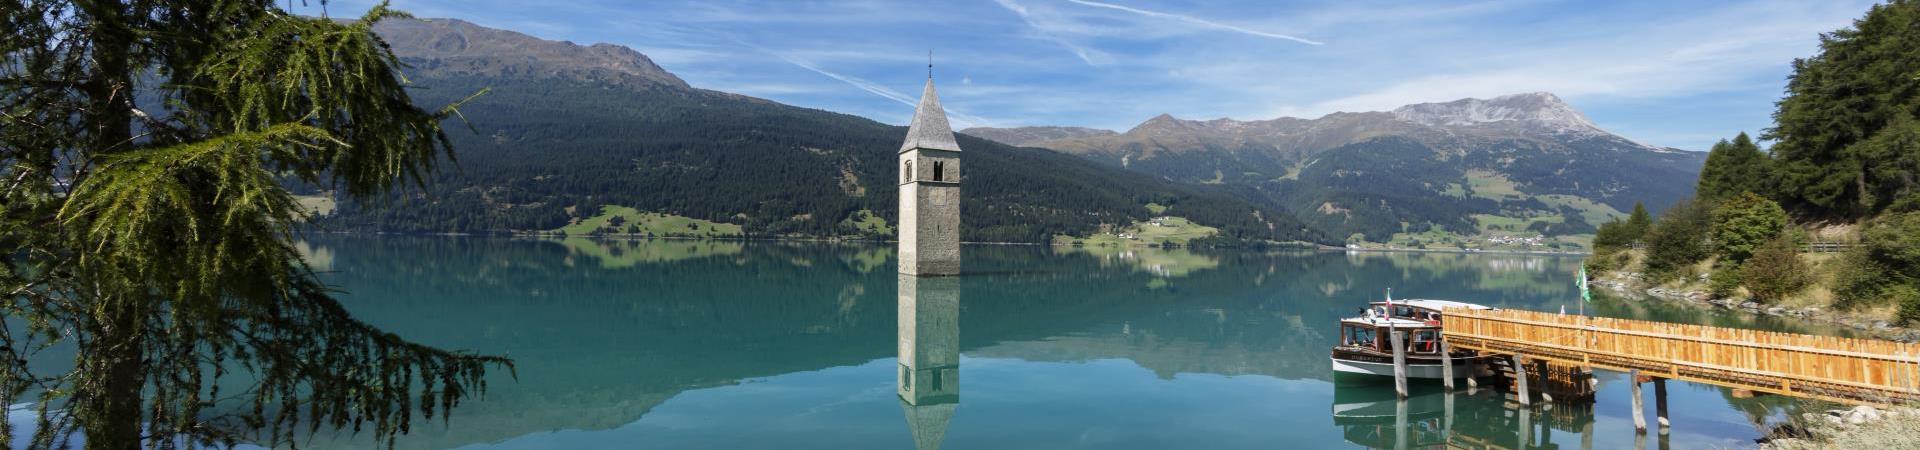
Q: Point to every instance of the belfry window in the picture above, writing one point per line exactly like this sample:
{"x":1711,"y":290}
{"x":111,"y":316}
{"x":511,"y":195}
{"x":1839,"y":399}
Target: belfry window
{"x":906,"y":175}
{"x":939,"y":172}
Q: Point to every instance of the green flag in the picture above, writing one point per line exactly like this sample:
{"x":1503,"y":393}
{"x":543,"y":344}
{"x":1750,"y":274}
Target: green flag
{"x":1585,"y":295}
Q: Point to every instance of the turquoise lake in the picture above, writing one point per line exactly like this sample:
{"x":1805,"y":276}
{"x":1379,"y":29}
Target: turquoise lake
{"x":724,"y":345}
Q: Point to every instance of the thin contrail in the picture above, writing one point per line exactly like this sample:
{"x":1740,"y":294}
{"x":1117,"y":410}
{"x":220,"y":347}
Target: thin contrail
{"x":864,"y":85}
{"x":1021,"y":10}
{"x":1197,"y":21}
{"x":871,"y":87}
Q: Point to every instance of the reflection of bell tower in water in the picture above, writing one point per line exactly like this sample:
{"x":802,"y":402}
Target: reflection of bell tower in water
{"x":929,"y":372}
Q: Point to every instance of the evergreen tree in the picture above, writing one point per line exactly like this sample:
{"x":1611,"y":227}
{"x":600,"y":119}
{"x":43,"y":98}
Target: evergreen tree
{"x":1847,"y":144}
{"x":1612,"y":235}
{"x":1732,"y":168}
{"x":1638,"y":223}
{"x":143,"y":223}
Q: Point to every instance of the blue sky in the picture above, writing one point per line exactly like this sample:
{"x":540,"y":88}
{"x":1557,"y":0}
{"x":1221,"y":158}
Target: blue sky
{"x":1673,"y":73}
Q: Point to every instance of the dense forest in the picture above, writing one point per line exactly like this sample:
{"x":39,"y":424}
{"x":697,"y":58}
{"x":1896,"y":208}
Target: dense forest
{"x":536,"y":152}
{"x":1412,"y":179}
{"x":1392,"y":184}
{"x":1844,"y":168}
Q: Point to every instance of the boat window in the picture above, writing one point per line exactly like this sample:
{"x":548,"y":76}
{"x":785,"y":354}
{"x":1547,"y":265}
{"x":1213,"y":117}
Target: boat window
{"x":1357,"y":336}
{"x":1426,"y":341}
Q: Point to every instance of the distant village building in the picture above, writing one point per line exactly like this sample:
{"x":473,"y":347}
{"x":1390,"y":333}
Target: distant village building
{"x":929,"y":192}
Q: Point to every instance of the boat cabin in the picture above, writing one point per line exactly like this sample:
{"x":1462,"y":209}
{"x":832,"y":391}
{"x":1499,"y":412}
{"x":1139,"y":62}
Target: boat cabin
{"x":1426,"y":311}
{"x":1420,"y":337}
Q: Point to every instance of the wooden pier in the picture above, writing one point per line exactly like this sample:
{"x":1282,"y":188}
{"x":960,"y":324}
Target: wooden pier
{"x":1846,"y":370}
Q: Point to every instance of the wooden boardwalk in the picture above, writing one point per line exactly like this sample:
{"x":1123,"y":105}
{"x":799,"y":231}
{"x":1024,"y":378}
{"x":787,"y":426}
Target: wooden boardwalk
{"x":1820,"y":367}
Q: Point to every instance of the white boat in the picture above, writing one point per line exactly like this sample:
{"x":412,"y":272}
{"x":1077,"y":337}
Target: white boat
{"x":1366,"y":349}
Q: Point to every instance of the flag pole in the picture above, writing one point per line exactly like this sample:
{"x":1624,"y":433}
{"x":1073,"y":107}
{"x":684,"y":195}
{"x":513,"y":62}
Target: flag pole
{"x":1586,"y":296}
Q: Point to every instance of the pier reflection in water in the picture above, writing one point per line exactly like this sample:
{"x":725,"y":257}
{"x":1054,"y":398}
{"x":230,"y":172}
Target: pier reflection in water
{"x":1432,"y":418}
{"x":929,"y":380}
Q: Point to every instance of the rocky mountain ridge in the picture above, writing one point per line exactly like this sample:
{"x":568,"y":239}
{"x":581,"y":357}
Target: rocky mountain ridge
{"x":457,"y":47}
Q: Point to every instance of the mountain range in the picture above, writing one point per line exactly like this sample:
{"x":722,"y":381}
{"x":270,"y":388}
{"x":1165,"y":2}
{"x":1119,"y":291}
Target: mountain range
{"x":1522,"y":162}
{"x":567,"y":129}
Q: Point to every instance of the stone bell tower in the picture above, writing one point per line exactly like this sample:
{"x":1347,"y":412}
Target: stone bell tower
{"x":929,"y":192}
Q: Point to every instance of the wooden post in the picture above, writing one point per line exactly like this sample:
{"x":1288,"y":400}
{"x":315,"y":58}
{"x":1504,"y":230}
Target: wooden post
{"x":1660,"y":404}
{"x":1520,"y":377}
{"x":1586,"y":436}
{"x":1446,"y":365}
{"x":1546,"y":390}
{"x":1639,"y":406}
{"x":1526,"y":427}
{"x":1400,"y":430}
{"x":1399,"y":364}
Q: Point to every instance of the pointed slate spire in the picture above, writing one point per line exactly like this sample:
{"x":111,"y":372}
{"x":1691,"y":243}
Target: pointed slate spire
{"x":929,"y":129}
{"x":928,"y":423}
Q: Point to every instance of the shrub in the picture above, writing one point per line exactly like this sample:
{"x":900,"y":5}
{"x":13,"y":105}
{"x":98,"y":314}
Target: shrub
{"x":1857,"y":281}
{"x":1677,"y":241}
{"x":1886,"y":265}
{"x":1908,"y":297}
{"x":1745,"y":222}
{"x":1613,"y":235}
{"x":1723,"y":281}
{"x":1775,"y":271}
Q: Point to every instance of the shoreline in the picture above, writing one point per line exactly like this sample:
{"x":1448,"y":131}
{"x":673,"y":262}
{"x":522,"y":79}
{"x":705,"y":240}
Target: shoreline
{"x":1455,"y":250}
{"x":1284,"y":245}
{"x":1629,"y":286}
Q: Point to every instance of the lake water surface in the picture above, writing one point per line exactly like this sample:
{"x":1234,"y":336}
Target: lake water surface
{"x":689,"y":344}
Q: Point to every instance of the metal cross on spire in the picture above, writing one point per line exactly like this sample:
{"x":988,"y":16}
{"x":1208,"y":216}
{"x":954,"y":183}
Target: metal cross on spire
{"x":929,"y":64}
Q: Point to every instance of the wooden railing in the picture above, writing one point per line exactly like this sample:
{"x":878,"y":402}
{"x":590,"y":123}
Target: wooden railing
{"x":1822,"y":367}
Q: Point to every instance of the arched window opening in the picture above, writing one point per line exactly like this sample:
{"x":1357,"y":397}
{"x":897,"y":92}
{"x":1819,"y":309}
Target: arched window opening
{"x":939,"y":172}
{"x":906,"y":175}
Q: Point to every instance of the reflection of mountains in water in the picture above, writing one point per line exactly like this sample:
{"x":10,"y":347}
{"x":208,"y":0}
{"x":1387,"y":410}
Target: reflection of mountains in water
{"x":598,"y":344}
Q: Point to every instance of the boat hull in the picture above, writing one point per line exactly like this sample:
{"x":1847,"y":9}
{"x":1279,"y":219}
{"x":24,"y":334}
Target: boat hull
{"x":1426,"y":368}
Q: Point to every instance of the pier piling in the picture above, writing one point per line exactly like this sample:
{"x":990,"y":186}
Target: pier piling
{"x":1399,"y":364}
{"x":1660,"y":403}
{"x":1520,"y":376}
{"x":1639,"y":406}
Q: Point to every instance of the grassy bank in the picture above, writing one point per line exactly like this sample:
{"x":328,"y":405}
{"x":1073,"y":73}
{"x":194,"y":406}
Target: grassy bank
{"x":1817,"y":301}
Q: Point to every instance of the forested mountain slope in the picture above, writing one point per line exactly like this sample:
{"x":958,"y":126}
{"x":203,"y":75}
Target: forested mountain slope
{"x":1518,"y":163}
{"x":565,"y":129}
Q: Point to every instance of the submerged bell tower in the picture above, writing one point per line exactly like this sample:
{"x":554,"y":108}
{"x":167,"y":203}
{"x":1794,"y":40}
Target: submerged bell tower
{"x":929,"y":191}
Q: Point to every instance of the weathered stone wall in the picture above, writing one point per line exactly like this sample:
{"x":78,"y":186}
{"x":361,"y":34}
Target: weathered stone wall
{"x":930,"y":214}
